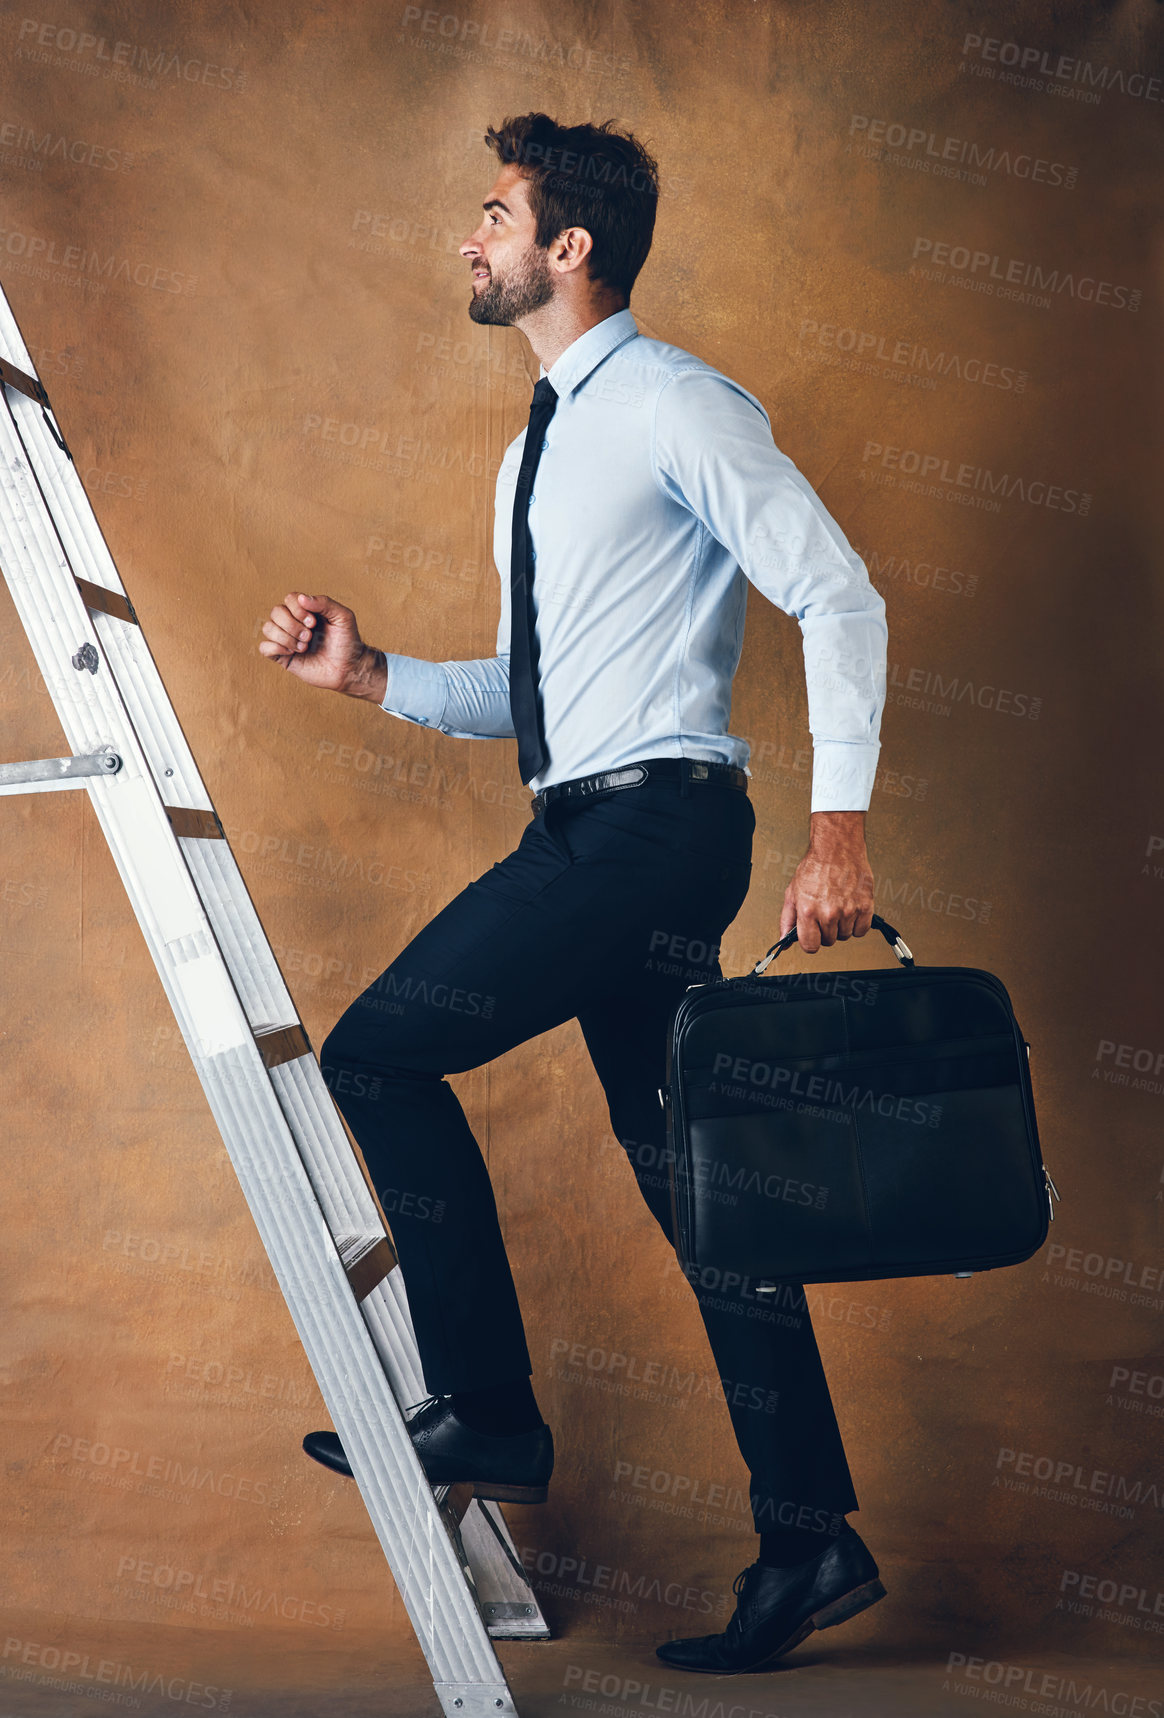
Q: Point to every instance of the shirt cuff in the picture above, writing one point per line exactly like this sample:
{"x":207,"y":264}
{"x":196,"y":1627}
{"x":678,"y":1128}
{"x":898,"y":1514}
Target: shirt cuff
{"x":417,"y":690}
{"x":842,"y":774}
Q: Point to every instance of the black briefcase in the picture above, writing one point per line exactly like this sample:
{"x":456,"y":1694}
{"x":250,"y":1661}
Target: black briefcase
{"x":835,"y":1127}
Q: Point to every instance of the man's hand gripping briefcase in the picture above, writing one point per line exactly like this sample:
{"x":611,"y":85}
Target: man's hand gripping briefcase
{"x":834,"y":1127}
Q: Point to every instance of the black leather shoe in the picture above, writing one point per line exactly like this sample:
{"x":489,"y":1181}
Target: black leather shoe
{"x":778,"y":1607}
{"x":513,"y":1469}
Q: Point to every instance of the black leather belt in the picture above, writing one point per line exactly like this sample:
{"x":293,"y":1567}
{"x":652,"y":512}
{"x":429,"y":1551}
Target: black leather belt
{"x":634,"y":775}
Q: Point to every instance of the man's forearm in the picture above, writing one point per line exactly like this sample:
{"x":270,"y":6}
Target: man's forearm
{"x":836,"y":828}
{"x":466,"y":700}
{"x":836,"y":845}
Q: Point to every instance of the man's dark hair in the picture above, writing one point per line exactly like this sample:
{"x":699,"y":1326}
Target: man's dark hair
{"x":592,"y":176}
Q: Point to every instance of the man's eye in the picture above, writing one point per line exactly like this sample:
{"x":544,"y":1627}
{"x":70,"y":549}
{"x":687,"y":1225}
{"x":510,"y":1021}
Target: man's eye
{"x":493,"y":217}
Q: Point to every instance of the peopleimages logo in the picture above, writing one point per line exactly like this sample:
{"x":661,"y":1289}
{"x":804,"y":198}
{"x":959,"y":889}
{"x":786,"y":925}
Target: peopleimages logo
{"x":915,"y":142}
{"x":53,"y":146}
{"x":469,"y":38}
{"x":32,"y":254}
{"x":1014,"y":1681}
{"x":750,"y":1074}
{"x":1109,"y":1592}
{"x":39,"y":41}
{"x":77,"y":1671}
{"x":909,"y":356}
{"x":1054,"y":74}
{"x":978,"y":479}
{"x":1009,"y":277}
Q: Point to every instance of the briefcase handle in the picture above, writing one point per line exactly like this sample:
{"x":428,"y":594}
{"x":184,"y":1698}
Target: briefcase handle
{"x":892,"y":937}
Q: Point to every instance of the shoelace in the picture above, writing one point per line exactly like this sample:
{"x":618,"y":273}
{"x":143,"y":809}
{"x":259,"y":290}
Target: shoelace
{"x":414,"y":1408}
{"x":742,"y":1577}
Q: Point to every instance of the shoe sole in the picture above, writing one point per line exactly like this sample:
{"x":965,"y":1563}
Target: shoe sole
{"x":492,"y":1490}
{"x":488,"y":1489}
{"x":839,"y":1611}
{"x":842,"y":1609}
{"x":509,"y":1493}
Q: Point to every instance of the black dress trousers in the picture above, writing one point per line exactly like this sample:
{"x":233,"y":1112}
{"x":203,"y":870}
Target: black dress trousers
{"x":605,"y":911}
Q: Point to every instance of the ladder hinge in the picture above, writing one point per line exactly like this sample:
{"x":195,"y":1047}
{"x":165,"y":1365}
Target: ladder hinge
{"x":15,"y":776}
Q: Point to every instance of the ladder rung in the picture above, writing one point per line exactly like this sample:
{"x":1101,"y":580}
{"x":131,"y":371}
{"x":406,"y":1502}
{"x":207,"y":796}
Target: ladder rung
{"x":24,"y":384}
{"x":203,"y":825}
{"x":368,"y":1270}
{"x":109,"y":602}
{"x":367,"y":1258}
{"x":283,"y":1044}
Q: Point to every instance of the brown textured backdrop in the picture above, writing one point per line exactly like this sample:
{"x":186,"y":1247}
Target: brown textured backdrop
{"x":232,"y":247}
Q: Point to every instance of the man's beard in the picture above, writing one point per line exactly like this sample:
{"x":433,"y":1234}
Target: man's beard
{"x":527,"y":287}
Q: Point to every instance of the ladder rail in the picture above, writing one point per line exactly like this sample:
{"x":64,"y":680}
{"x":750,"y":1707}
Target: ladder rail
{"x":230,"y":1068}
{"x":224,"y":984}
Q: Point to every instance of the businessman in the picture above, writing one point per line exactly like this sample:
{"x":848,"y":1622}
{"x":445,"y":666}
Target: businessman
{"x":632,"y":512}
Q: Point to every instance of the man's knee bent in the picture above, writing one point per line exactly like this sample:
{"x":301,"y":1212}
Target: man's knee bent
{"x":356,"y":1063}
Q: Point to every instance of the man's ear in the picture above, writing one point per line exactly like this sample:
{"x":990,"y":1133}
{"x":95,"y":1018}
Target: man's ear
{"x":571,"y":247}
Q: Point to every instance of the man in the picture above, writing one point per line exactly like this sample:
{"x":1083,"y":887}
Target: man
{"x":625,"y":512}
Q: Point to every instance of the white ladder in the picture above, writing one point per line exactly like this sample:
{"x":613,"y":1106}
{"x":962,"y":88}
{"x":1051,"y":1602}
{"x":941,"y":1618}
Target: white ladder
{"x":452,"y":1557}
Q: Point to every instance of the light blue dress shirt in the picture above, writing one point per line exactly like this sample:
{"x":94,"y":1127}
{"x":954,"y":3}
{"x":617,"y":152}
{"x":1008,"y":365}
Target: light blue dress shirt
{"x":659,"y":496}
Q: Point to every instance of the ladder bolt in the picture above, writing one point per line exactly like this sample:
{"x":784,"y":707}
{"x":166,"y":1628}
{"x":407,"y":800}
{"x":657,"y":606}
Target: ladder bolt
{"x":86,"y":657}
{"x":111,"y":762}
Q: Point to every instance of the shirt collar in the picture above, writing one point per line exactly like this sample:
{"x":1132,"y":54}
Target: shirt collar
{"x":582,"y":355}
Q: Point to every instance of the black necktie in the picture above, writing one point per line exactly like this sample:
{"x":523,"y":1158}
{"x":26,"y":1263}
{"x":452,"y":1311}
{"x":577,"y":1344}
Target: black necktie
{"x":524,"y":703}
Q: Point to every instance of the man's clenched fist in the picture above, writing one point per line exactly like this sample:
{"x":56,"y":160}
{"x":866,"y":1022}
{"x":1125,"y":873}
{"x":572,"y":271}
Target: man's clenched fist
{"x":317,"y":639}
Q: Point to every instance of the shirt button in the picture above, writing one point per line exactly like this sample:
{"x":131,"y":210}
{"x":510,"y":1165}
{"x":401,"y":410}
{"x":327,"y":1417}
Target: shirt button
{"x":530,"y":502}
{"x":545,"y":445}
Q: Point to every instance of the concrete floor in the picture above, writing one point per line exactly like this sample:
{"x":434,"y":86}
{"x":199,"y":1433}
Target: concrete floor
{"x":846,"y":1673}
